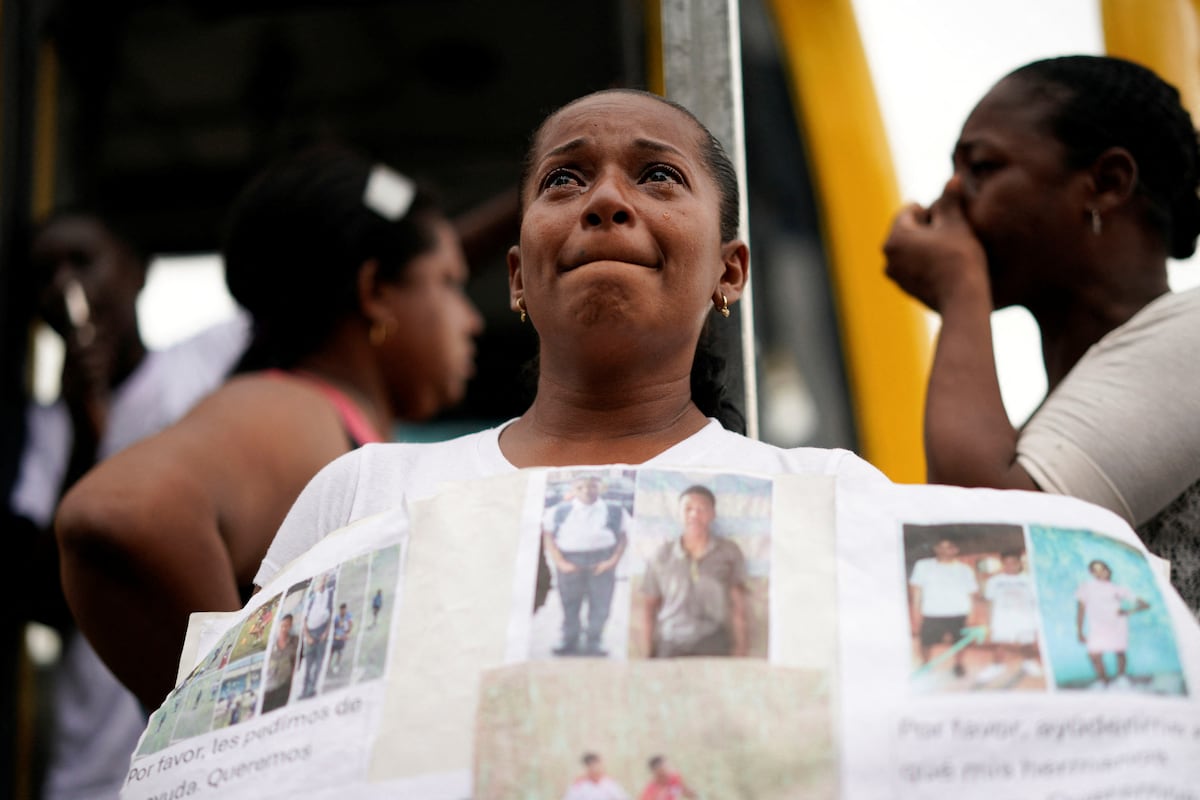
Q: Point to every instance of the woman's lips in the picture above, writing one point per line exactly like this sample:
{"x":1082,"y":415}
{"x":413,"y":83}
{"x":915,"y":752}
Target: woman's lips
{"x":621,"y":261}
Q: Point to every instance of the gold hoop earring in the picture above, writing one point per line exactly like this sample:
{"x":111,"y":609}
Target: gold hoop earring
{"x":1097,"y":222}
{"x":378,"y":333}
{"x":724,"y":307}
{"x":521,"y":306}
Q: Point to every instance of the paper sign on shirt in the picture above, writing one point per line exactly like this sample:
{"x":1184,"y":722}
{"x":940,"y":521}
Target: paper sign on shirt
{"x":1009,"y":644}
{"x":619,"y":631}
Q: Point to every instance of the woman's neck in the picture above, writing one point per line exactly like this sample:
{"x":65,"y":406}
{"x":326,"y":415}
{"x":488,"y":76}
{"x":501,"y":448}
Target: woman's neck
{"x":1068,"y":329}
{"x":595,"y":422}
{"x":355,"y":376}
{"x":1121,"y":281}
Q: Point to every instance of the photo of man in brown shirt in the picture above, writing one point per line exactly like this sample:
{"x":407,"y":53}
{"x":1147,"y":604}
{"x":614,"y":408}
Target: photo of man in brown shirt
{"x":695,"y":588}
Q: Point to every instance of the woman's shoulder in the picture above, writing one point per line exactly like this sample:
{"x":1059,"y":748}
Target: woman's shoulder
{"x":1167,"y":322}
{"x":372,"y":479}
{"x":715,"y":446}
{"x":385,"y":473}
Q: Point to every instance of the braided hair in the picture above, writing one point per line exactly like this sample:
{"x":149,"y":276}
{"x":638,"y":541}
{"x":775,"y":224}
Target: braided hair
{"x":296,"y":239}
{"x":1099,"y":102}
{"x":709,"y":367}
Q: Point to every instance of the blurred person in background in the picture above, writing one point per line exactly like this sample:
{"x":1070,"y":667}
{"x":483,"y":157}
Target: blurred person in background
{"x":355,"y":284}
{"x":665,"y":783}
{"x":114,"y":391}
{"x":1075,"y":178}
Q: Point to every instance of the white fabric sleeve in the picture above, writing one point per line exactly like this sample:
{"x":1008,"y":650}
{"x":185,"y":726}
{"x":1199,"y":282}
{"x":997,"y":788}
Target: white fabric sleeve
{"x":849,"y":465}
{"x":1120,"y":430}
{"x":548,"y":518}
{"x":919,"y":575}
{"x":323,"y":507}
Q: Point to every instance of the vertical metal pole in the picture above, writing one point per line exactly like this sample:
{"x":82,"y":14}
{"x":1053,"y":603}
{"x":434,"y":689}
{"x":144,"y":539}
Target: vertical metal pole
{"x":702,"y":70}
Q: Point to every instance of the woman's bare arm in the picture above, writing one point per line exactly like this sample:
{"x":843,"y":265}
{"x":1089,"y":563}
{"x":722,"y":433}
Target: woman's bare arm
{"x":969,"y":441}
{"x":180,"y":521}
{"x":141,"y":550}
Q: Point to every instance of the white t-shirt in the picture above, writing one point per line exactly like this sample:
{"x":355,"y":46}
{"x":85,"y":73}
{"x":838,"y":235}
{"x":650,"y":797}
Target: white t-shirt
{"x":97,"y":722}
{"x":1014,"y":607}
{"x":1010,"y":594}
{"x":604,"y":789}
{"x":946,"y":587}
{"x":585,"y":526}
{"x":378,"y":477}
{"x":320,"y":608}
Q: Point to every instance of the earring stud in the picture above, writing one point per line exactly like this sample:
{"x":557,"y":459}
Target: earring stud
{"x":521,"y":306}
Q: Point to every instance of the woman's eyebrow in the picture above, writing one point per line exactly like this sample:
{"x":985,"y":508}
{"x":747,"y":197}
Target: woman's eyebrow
{"x":658,"y":147}
{"x":569,"y":147}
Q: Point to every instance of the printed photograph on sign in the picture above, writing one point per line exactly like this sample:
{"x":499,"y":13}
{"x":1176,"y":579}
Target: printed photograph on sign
{"x":699,"y":565}
{"x":316,"y":631}
{"x":973,"y":610}
{"x":284,"y":649}
{"x":237,"y":697}
{"x":199,"y":705}
{"x":1107,"y":628}
{"x":581,"y":605}
{"x":175,"y":719}
{"x":323,"y":634}
{"x":252,"y":638}
{"x":371,"y":649}
{"x":597,"y":728}
{"x":345,"y":630}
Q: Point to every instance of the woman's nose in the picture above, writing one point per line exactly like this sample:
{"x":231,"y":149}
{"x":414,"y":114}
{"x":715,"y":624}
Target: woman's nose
{"x":607,"y":205}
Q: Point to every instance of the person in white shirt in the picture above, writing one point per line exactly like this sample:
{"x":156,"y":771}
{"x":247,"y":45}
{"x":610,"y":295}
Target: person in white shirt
{"x":88,"y":275}
{"x":584,"y":539}
{"x":628,"y":253}
{"x":943,"y":590}
{"x":594,"y":784}
{"x":316,"y":632}
{"x":1012,"y":619}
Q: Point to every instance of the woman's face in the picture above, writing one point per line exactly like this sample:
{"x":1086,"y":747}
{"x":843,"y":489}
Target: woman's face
{"x":430,"y":358}
{"x":620,"y":235}
{"x":1023,"y":203}
{"x":1100,"y":571}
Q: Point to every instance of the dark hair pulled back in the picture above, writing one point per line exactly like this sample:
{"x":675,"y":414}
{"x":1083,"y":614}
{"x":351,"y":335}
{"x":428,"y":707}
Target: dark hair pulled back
{"x":708,"y":383}
{"x":1101,"y":102}
{"x":295,"y":241}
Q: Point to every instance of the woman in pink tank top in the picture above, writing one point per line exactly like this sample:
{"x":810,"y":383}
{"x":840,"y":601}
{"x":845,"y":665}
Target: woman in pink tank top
{"x":355,"y":283}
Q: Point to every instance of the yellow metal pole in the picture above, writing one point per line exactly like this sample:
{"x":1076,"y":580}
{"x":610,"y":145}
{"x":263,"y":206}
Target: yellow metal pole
{"x":884,"y":334}
{"x":1164,"y":35}
{"x":655,"y":80}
